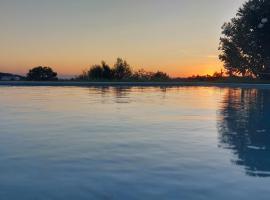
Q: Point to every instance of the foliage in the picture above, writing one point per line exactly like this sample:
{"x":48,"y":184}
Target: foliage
{"x":83,"y":76}
{"x":107,"y":73}
{"x":245,"y":43}
{"x":160,"y":76}
{"x":41,"y":74}
{"x":95,"y":72}
{"x":142,"y":75}
{"x":121,"y":71}
{"x":100,"y":72}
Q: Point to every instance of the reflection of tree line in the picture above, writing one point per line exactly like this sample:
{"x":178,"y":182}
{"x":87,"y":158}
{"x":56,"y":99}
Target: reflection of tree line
{"x":122,"y":94}
{"x":244,"y":128}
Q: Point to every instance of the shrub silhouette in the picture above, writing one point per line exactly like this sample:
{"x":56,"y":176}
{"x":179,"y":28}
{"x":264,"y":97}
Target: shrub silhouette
{"x":41,"y":74}
{"x":160,"y":76}
{"x":99,"y":72}
{"x":107,"y":73}
{"x":121,"y":70}
{"x":95,"y":72}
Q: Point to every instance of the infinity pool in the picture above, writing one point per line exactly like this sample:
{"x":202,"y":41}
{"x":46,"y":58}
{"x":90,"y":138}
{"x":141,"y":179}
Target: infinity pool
{"x":187,"y":143}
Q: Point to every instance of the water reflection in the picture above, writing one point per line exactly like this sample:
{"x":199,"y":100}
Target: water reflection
{"x":244,"y":127}
{"x":122,"y":95}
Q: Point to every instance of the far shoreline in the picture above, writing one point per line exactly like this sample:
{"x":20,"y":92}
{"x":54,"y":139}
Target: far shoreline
{"x":132,"y":84}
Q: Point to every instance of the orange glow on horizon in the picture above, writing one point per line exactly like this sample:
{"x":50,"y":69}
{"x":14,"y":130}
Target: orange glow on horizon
{"x":185,"y":69}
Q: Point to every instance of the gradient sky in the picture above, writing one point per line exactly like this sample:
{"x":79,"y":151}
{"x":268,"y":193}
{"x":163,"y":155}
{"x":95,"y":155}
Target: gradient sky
{"x":176,"y":36}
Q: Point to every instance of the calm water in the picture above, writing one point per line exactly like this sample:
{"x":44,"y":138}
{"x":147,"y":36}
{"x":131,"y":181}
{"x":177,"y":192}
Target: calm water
{"x":134,"y":143}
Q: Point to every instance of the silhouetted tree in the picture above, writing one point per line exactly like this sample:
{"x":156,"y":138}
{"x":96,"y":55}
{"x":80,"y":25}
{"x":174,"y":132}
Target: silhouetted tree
{"x":142,"y":75}
{"x":100,"y":72}
{"x":84,"y":76}
{"x":95,"y":72}
{"x":160,"y":76}
{"x":121,"y":70}
{"x":107,"y":73}
{"x":218,"y":75}
{"x":245,"y":43}
{"x":41,"y":74}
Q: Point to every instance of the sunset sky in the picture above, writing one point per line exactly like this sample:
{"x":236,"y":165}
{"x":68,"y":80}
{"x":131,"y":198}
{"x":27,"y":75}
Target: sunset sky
{"x":179,"y":37}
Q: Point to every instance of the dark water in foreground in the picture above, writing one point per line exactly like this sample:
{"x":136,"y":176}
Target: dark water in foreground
{"x":134,"y":143}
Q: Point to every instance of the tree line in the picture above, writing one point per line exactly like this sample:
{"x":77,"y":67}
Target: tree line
{"x":121,"y":71}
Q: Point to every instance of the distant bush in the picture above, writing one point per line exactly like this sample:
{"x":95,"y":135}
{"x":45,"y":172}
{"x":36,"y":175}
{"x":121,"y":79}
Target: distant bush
{"x":160,"y":76}
{"x":95,"y":72}
{"x":41,"y":74}
{"x":142,"y":75}
{"x":122,"y":70}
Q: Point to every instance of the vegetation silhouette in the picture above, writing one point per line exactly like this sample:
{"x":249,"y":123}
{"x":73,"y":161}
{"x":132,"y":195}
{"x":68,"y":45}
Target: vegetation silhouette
{"x":245,"y":41}
{"x":244,"y":128}
{"x":41,"y":74}
{"x":121,"y":71}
